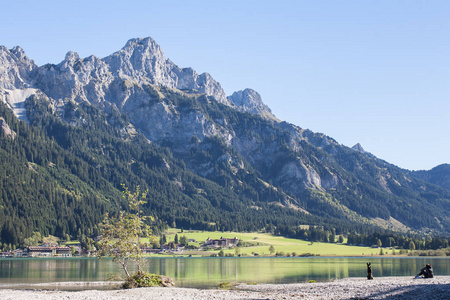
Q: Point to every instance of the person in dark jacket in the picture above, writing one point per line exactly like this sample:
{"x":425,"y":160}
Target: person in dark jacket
{"x":427,"y":272}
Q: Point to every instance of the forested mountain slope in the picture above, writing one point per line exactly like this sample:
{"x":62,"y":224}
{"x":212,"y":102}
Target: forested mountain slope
{"x":60,"y":179}
{"x":209,"y":161}
{"x":439,"y":175}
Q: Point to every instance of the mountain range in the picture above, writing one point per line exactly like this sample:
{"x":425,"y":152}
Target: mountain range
{"x":86,"y":125}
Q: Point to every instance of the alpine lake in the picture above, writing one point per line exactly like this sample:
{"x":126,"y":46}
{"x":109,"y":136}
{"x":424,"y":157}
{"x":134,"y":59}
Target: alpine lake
{"x":207,"y":272}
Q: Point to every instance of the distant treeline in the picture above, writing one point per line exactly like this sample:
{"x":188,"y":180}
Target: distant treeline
{"x":376,"y":237}
{"x":400,"y":241}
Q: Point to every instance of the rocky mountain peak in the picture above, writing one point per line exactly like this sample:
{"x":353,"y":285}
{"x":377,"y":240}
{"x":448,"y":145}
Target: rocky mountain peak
{"x":15,"y":67}
{"x":359,"y":148}
{"x":72,"y":56}
{"x":143,"y":60}
{"x":141,"y":42}
{"x":19,"y":52}
{"x":250,"y":101}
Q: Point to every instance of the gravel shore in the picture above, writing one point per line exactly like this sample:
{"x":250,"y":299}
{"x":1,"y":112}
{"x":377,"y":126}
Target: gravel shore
{"x":348,"y":288}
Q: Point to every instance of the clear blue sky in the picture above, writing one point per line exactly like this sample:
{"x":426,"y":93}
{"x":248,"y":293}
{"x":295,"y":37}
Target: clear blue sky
{"x":373,"y":72}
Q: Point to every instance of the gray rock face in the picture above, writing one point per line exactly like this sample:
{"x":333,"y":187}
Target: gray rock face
{"x":250,"y":101}
{"x":144,"y":61}
{"x":120,"y":80}
{"x":329,"y":181}
{"x":75,"y":79}
{"x":92,"y":79}
{"x":131,"y":79}
{"x":162,"y":122}
{"x":15,"y":68}
{"x":104,"y":82}
{"x":6,"y":129}
{"x":296,"y":176}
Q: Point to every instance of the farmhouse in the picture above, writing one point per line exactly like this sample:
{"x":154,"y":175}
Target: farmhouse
{"x":222,"y":242}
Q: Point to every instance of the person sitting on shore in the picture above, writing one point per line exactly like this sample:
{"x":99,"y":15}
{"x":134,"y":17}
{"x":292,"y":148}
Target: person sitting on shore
{"x":427,"y":272}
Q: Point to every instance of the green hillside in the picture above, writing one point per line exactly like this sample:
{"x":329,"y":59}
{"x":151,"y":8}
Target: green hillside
{"x":64,"y":170}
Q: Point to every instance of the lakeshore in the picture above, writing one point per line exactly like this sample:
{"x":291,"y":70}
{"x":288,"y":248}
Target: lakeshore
{"x":208,"y":272}
{"x":348,"y":288}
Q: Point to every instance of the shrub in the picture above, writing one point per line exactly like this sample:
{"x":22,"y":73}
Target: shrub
{"x":226,"y":285}
{"x":144,"y":279}
{"x":308,"y":254}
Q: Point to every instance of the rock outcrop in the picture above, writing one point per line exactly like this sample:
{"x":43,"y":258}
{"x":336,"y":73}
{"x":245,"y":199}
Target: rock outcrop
{"x":359,"y":148}
{"x":15,"y":68}
{"x":6,"y":129}
{"x":250,"y":101}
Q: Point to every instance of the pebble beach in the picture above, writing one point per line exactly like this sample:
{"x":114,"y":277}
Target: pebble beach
{"x":348,"y":288}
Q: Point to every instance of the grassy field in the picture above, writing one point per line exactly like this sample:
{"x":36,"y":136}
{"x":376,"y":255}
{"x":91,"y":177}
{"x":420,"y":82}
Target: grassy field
{"x":262,"y":241}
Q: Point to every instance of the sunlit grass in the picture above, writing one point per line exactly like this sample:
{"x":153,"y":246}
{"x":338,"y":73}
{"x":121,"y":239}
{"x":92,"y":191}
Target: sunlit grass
{"x":263,"y":241}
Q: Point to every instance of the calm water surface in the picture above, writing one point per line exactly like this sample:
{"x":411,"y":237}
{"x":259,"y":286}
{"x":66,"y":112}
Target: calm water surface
{"x":207,"y":272}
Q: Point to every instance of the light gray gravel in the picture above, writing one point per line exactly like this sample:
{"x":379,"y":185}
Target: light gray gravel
{"x":349,"y":288}
{"x":361,"y":288}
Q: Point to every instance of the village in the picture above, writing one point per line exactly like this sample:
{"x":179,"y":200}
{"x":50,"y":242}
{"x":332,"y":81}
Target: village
{"x":76,"y":249}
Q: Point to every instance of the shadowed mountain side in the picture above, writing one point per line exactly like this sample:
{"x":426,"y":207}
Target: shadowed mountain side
{"x":439,"y":175}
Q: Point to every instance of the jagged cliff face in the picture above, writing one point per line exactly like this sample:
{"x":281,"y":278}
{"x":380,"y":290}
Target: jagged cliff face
{"x":15,"y":79}
{"x":74,"y":79}
{"x":130,"y":79}
{"x":180,"y":109}
{"x":142,"y":61}
{"x":15,"y":68}
{"x":118,"y":77}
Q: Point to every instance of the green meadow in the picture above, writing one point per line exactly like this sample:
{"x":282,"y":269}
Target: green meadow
{"x":259,"y":244}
